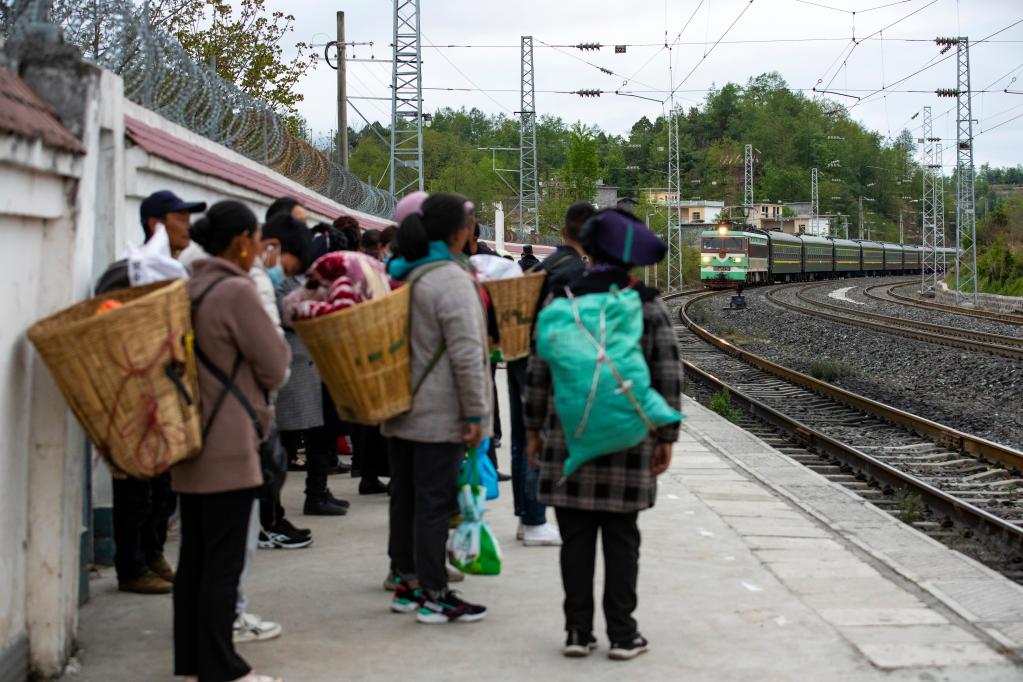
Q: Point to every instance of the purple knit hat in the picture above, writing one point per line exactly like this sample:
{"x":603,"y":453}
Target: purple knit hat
{"x":409,"y":204}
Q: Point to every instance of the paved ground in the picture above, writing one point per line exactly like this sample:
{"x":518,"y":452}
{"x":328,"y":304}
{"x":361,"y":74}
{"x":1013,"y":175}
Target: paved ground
{"x":737,"y":582}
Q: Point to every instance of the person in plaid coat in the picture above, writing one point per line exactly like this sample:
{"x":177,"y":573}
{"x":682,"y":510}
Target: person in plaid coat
{"x":606,"y":494}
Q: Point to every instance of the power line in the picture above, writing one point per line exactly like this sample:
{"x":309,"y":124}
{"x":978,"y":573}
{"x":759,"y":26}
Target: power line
{"x":471,"y":82}
{"x":718,"y":42}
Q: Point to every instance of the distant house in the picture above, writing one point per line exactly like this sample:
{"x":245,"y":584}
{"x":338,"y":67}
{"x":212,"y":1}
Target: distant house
{"x":607,"y":196}
{"x":627,"y":204}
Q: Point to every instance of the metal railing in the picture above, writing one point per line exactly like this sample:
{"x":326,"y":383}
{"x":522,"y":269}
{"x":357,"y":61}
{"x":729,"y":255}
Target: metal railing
{"x":160,"y":75}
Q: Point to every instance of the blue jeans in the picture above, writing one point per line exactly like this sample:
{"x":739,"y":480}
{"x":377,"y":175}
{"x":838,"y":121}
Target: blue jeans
{"x":525,"y":479}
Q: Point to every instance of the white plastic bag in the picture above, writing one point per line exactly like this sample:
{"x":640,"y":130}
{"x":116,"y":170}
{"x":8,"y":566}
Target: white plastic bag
{"x":153,"y":262}
{"x":494,"y":267}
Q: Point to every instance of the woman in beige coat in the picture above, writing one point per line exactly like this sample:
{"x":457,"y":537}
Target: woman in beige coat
{"x":241,"y":358}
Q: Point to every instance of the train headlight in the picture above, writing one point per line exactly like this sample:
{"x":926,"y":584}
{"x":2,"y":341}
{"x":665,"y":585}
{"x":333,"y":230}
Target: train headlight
{"x":722,"y":230}
{"x":706,"y":258}
{"x":737,"y":259}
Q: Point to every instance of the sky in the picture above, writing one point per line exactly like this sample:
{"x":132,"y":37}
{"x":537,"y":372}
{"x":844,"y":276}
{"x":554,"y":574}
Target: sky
{"x":809,"y":43}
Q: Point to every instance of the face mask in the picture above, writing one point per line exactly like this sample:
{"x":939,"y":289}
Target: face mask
{"x":276,"y":274}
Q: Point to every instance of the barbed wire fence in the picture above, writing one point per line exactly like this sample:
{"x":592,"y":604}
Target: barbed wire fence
{"x":160,"y":76}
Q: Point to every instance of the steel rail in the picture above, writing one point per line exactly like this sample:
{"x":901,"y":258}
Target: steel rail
{"x":1008,"y":318}
{"x":993,"y":528}
{"x":1013,"y":352}
{"x":939,"y":329}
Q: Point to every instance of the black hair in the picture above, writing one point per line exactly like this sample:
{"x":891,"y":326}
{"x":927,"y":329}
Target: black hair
{"x":293,"y":235}
{"x":349,"y":226}
{"x":577,"y":214}
{"x":371,"y":239}
{"x":440,"y":216}
{"x":283,"y":205}
{"x":387,"y":235}
{"x":527,"y":249}
{"x":224,"y":221}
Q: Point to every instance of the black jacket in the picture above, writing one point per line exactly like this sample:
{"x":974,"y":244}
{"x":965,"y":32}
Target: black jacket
{"x":562,"y":267}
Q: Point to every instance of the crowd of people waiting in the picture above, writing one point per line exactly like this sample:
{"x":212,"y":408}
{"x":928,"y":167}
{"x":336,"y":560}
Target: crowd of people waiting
{"x":265,"y":410}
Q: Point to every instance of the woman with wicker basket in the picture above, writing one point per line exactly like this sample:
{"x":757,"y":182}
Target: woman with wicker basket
{"x":241,"y":359}
{"x":451,"y":405}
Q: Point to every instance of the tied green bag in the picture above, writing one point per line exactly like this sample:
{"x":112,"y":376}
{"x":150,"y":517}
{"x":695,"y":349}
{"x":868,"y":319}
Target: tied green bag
{"x":472,"y":548}
{"x":602,"y":390}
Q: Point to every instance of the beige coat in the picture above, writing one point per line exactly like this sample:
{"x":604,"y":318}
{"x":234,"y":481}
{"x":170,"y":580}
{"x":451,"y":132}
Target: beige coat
{"x":446,"y":308}
{"x":231,"y":323}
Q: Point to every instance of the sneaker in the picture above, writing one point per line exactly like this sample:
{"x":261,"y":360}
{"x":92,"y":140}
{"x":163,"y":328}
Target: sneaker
{"x":338,"y":501}
{"x":391,"y":582}
{"x":372,"y":486}
{"x":147,"y":583}
{"x":406,"y":599}
{"x":629,"y":649}
{"x":447,"y":607}
{"x":521,"y":532}
{"x":288,"y":528}
{"x":162,"y":568}
{"x":502,"y":477}
{"x":248,"y":627}
{"x":579,"y":644}
{"x":275,"y":539}
{"x":323,"y":506}
{"x":544,"y":535}
{"x":454,"y":575}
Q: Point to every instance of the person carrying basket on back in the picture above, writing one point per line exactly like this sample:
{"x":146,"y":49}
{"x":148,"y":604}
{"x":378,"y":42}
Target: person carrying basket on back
{"x":451,"y":406}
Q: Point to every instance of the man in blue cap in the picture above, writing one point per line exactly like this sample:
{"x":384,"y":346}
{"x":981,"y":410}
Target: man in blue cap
{"x":142,"y":508}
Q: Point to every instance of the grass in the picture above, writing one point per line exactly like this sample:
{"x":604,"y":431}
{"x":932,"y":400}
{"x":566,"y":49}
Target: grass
{"x":911,"y":507}
{"x":722,"y":404}
{"x":830,"y":370}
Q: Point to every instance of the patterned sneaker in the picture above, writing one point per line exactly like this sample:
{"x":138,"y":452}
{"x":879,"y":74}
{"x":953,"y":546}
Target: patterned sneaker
{"x":406,"y":599}
{"x":579,"y":644}
{"x":248,"y":627}
{"x":629,"y":649}
{"x":447,"y":607}
{"x":280,"y":538}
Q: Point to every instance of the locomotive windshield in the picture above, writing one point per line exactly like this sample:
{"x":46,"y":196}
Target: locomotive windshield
{"x":724,"y":244}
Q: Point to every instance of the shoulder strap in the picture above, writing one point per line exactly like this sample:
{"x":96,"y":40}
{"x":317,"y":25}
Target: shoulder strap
{"x":228,"y":381}
{"x":437,"y":354}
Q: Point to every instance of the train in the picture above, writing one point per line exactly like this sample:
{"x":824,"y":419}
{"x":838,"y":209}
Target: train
{"x":748,"y":256}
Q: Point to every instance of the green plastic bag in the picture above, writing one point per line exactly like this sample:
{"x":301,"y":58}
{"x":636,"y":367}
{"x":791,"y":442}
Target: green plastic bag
{"x":602,"y":390}
{"x":472,"y":548}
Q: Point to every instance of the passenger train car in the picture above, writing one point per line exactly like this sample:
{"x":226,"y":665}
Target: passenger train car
{"x":749,"y":256}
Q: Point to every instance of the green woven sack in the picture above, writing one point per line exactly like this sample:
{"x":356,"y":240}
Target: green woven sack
{"x":602,"y":390}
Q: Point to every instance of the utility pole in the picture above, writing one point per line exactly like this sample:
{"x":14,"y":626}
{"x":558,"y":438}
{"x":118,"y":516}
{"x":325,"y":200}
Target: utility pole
{"x":529,"y":200}
{"x":814,"y":202}
{"x":845,"y":226}
{"x":406,"y":101}
{"x":929,"y":269}
{"x":342,"y":95}
{"x":861,"y":217}
{"x":676,"y":278}
{"x":966,"y":217}
{"x":939,"y":212}
{"x":902,"y":239}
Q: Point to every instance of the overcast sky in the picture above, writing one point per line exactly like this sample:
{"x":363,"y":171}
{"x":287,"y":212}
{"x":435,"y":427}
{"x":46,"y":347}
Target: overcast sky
{"x":809,"y":44}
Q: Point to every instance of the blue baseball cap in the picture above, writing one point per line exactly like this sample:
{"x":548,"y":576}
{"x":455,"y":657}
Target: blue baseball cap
{"x":159,"y":204}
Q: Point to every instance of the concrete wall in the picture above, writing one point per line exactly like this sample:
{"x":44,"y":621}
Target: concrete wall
{"x":990,"y":302}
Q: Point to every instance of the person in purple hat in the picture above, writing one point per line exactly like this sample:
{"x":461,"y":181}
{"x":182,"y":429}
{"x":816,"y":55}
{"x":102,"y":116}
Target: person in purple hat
{"x":605,"y":495}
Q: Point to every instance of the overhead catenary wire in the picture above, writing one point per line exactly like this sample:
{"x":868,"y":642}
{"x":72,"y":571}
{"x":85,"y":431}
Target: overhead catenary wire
{"x":716,"y":43}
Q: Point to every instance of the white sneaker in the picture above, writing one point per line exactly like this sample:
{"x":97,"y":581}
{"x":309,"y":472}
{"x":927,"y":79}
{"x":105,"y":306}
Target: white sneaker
{"x":521,"y":532}
{"x":248,"y":627}
{"x":545,"y":535}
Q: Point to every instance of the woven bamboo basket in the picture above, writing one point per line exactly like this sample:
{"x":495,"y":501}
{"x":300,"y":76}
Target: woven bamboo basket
{"x":362,"y":354}
{"x":515,"y":301}
{"x":129,"y":375}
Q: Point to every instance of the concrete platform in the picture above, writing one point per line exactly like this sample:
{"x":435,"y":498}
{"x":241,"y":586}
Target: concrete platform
{"x":738,"y":581}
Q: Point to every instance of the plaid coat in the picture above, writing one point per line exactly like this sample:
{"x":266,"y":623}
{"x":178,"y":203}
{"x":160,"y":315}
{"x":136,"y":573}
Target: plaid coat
{"x":622,"y":481}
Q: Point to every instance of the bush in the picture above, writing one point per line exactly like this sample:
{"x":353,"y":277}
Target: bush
{"x":722,"y":404}
{"x":829,"y":370}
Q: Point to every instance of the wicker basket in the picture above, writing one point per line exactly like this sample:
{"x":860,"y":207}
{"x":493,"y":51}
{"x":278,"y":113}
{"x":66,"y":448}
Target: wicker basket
{"x":129,"y":375}
{"x":362,"y":354}
{"x":515,"y":300}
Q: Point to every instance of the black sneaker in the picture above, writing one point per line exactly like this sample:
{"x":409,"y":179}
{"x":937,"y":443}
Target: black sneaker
{"x":447,"y":607}
{"x":579,"y":644}
{"x":274,"y":539}
{"x":372,"y":486}
{"x":406,"y":599}
{"x":338,"y":501}
{"x":629,"y":649}
{"x":285,"y":526}
{"x":322,"y":506}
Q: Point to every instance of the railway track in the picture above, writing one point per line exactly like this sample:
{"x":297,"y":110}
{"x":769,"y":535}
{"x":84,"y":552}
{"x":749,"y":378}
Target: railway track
{"x":892,"y":296}
{"x":954,"y":486}
{"x":956,"y":337}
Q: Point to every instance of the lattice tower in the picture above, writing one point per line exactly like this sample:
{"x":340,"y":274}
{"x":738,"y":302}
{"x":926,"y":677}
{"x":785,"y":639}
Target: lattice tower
{"x":966,"y":217}
{"x":815,"y":209}
{"x":406,"y":100}
{"x":676,"y":279}
{"x":529,"y":198}
{"x":747,"y":185}
{"x":929,"y":271}
{"x":940,"y":263}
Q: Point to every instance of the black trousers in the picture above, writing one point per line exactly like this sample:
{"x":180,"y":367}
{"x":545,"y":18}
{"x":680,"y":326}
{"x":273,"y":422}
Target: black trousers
{"x":496,"y":424}
{"x":270,"y":508}
{"x":142,"y":509}
{"x":320,"y":456}
{"x":372,"y":450}
{"x":620,"y":539}
{"x":214,"y":529}
{"x":424,"y":477}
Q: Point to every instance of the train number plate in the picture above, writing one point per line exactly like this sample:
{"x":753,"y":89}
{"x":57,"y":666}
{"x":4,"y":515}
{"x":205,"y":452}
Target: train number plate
{"x":722,"y":268}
